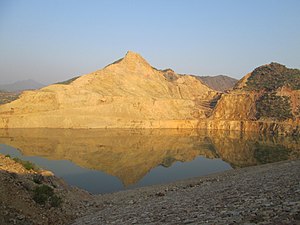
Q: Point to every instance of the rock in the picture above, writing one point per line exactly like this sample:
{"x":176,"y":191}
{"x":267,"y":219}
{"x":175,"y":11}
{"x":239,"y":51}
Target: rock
{"x":46,"y":173}
{"x":160,"y":194}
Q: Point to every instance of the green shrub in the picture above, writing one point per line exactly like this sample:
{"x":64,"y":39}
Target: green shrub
{"x":7,"y":156}
{"x":37,"y":179}
{"x":41,"y":194}
{"x":272,"y":106}
{"x":26,"y":164}
{"x":273,"y":76}
{"x":55,"y":201}
{"x":44,"y":193}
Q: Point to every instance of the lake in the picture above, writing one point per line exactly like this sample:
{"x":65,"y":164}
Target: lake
{"x":109,"y":160}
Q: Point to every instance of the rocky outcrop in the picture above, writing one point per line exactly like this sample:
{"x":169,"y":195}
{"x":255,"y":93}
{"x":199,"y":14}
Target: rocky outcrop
{"x":266,"y":100}
{"x":126,"y":94}
{"x":20,"y":203}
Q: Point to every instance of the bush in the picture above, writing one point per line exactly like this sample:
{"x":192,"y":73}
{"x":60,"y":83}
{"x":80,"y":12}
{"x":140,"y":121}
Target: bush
{"x":43,"y":194}
{"x":272,"y":106}
{"x":38,"y":179}
{"x":26,"y":164}
{"x":55,"y":201}
{"x":273,"y":76}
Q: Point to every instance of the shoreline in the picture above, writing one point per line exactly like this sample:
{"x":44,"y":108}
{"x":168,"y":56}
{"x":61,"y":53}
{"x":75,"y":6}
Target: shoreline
{"x":252,"y":195}
{"x":263,"y":194}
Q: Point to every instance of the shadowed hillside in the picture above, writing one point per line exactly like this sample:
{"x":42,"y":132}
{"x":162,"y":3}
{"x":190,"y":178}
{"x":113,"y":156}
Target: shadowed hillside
{"x":218,"y":83}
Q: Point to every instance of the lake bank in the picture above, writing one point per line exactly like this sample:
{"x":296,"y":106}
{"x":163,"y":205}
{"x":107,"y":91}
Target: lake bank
{"x":265,"y":194}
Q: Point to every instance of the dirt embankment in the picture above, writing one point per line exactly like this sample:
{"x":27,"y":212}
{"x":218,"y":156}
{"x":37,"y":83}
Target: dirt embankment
{"x":37,"y":197}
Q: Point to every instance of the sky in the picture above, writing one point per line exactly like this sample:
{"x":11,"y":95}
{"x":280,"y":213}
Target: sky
{"x":54,"y":40}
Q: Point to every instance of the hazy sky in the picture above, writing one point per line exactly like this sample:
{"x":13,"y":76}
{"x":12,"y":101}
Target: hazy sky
{"x":55,"y":40}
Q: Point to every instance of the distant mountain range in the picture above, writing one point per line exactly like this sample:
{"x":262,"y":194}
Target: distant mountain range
{"x":21,"y":86}
{"x":218,"y":83}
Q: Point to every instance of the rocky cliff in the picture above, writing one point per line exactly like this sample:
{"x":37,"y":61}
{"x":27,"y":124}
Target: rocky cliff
{"x":128,"y":93}
{"x":266,"y":100}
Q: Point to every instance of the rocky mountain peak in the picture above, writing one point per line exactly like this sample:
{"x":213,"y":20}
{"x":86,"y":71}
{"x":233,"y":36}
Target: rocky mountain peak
{"x":132,"y":62}
{"x":133,"y":57}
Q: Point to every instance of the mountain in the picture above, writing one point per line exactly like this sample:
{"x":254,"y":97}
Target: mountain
{"x":218,"y":83}
{"x":21,"y":86}
{"x":266,"y":100}
{"x":128,"y":93}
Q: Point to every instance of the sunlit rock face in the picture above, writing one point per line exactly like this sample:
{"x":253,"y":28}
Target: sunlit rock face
{"x":128,"y":93}
{"x":266,"y":100}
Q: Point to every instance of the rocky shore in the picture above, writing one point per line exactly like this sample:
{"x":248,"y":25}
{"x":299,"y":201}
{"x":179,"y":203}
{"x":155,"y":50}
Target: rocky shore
{"x":22,"y":192}
{"x":267,"y":194}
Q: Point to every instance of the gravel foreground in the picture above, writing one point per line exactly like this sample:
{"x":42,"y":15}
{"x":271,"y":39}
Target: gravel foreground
{"x":266,"y":194}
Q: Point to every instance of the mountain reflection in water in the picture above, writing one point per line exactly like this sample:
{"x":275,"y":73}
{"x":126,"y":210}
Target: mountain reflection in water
{"x":131,"y":154}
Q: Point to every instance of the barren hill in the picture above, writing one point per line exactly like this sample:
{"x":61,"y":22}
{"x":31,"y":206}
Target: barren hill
{"x":128,"y":93}
{"x":219,"y":83}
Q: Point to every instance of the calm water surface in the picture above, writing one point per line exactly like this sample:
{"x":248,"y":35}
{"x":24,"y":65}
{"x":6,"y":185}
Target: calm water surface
{"x":102,"y":161}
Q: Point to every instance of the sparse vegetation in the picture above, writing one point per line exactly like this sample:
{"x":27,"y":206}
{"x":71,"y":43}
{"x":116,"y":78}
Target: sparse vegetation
{"x":55,"y":201}
{"x":7,"y":97}
{"x":44,"y":193}
{"x":26,"y":164}
{"x":37,"y":179}
{"x":273,"y":76}
{"x":273,"y":106}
